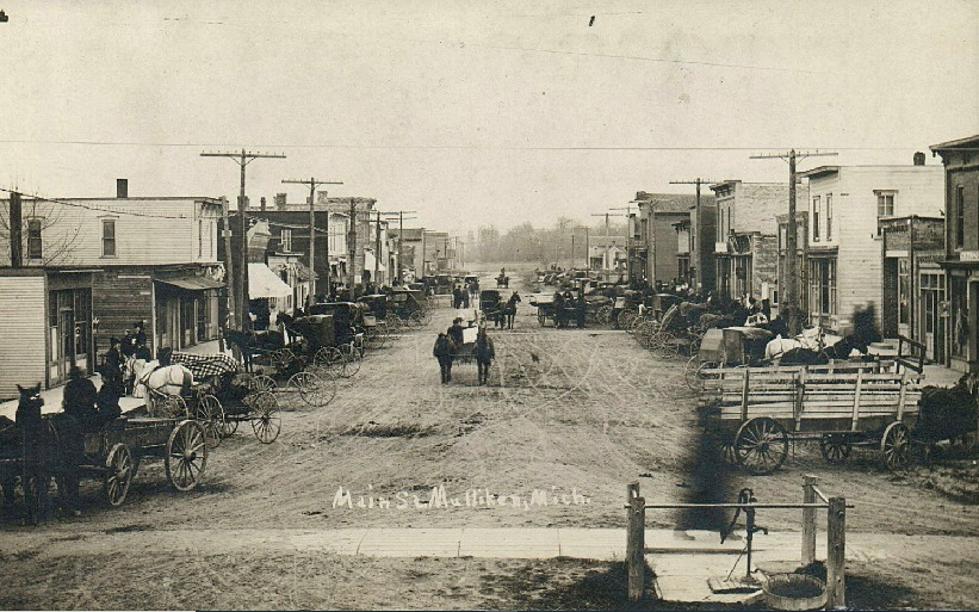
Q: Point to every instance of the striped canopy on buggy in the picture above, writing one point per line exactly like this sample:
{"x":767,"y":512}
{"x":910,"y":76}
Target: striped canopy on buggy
{"x":206,"y":365}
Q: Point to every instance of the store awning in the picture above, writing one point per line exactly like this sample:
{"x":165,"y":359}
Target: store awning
{"x":263,"y":283}
{"x":191,"y":282}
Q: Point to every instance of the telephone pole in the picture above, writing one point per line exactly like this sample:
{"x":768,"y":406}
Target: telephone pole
{"x":240,"y":277}
{"x":789,"y":300}
{"x":400,"y":214}
{"x":377,"y":247}
{"x":313,"y":184}
{"x":695,"y":245}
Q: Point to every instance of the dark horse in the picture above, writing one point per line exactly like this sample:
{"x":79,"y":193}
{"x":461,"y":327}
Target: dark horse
{"x":27,"y":434}
{"x":510,"y":310}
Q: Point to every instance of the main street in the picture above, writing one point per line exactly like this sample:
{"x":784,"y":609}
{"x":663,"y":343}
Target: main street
{"x":569,"y":417}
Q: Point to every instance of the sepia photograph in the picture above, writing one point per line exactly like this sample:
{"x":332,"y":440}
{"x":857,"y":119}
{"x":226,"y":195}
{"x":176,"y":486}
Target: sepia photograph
{"x":512,"y":305}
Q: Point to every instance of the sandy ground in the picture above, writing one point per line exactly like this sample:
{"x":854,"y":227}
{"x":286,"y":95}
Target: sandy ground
{"x":571,"y":412}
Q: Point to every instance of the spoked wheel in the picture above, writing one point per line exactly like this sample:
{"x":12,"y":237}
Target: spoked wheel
{"x":266,"y":422}
{"x":691,"y":371}
{"x":626,"y":317}
{"x":173,"y":407}
{"x":604,"y":315}
{"x":186,"y":455}
{"x":331,"y":358}
{"x":119,"y":472}
{"x":210,"y":413}
{"x":228,"y":427}
{"x":262,"y":382}
{"x":761,"y":445}
{"x":416,"y":319}
{"x":835,"y":448}
{"x":282,"y":358}
{"x":315,"y":390}
{"x":350,"y":363}
{"x":895,"y":446}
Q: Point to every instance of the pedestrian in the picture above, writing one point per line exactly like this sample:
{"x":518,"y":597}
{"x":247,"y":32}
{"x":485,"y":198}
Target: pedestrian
{"x":580,"y":311}
{"x":140,"y":334}
{"x":443,"y":353}
{"x":464,"y":295}
{"x":558,"y":309}
{"x":80,"y":413}
{"x":455,"y":298}
{"x":485,"y":354}
{"x":113,"y":366}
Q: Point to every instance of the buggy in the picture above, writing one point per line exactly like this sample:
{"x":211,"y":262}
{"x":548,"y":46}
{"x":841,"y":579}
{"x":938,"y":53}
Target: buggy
{"x":545,"y":308}
{"x":491,"y":304}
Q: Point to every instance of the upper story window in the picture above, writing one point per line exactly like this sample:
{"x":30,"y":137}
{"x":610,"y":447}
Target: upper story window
{"x":285,"y":239}
{"x":200,"y":238}
{"x":34,"y":246}
{"x":959,"y":217}
{"x":885,"y":203}
{"x":816,"y":203}
{"x":108,"y":237}
{"x":829,"y":216}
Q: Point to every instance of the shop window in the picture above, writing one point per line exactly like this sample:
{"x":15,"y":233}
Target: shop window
{"x":903,"y":292}
{"x":829,"y":216}
{"x":815,"y":218}
{"x":822,"y":273}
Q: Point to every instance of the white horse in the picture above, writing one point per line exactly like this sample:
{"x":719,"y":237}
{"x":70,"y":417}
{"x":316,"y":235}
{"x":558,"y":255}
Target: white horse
{"x":808,"y":339}
{"x":167,"y":380}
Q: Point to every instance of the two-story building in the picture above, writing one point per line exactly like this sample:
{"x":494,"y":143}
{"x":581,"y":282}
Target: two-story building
{"x":607,"y":254}
{"x":746,"y":250}
{"x":703,"y":237}
{"x":846,"y":206}
{"x":84,"y":269}
{"x":657,"y":252}
{"x":961,"y":263}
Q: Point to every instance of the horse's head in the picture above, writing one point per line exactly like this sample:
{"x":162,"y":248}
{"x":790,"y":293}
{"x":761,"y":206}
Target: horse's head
{"x":30,"y":397}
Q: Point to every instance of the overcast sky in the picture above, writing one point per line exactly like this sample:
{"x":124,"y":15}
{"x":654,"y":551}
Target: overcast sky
{"x":472,"y":113}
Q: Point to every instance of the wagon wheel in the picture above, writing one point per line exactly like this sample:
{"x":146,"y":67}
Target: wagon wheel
{"x":282,"y":359}
{"x":626,"y":317}
{"x":603,"y":314}
{"x":210,"y":413}
{"x":761,"y":445}
{"x":266,"y":422}
{"x":895,"y":446}
{"x":835,"y":448}
{"x":186,"y":455}
{"x":417,"y":319}
{"x":228,"y":427}
{"x":171,"y":407}
{"x":119,"y":472}
{"x":350,"y":365}
{"x":358,"y":347}
{"x":690,"y":373}
{"x":330,"y":358}
{"x":315,"y":390}
{"x":262,"y":382}
{"x":394,"y":323}
{"x":541,"y":318}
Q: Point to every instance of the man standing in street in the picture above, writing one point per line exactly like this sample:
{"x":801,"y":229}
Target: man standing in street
{"x":443,"y":353}
{"x":485,"y":353}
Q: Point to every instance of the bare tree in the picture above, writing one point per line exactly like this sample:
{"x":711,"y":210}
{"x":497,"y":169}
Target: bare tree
{"x":58,"y":233}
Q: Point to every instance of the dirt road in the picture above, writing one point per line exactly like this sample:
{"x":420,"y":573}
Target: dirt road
{"x":569,"y":417}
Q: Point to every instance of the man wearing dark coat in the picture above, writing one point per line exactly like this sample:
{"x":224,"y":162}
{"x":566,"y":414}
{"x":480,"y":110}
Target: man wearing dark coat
{"x":443,"y":353}
{"x":455,"y":332}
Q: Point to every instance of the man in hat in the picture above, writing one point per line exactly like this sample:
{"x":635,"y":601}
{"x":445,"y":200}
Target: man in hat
{"x":78,"y":404}
{"x":112,"y":368}
{"x":455,"y":332}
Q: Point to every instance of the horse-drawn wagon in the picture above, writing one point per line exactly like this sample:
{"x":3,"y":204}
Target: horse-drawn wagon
{"x":57,"y":446}
{"x":752,"y":413}
{"x":544,"y":303}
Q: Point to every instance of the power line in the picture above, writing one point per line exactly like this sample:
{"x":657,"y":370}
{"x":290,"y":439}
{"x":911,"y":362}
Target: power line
{"x":34,"y":196}
{"x":341,"y":145}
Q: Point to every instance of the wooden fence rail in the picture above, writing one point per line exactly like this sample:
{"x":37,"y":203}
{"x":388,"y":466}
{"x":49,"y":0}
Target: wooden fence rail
{"x":636,"y":507}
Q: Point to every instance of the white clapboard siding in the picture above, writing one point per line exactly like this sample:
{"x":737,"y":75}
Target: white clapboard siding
{"x":22,"y":352}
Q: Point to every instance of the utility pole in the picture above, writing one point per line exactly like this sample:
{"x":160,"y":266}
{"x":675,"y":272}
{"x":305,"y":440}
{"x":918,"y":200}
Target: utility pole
{"x":789,"y":300}
{"x":695,"y":245}
{"x":377,"y":247}
{"x":313,"y":184}
{"x":400,"y":214}
{"x":229,"y":298}
{"x":243,"y":158}
{"x":352,"y":249}
{"x":630,"y":247}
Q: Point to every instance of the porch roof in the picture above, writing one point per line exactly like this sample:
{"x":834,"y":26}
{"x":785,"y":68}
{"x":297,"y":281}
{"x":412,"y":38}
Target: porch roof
{"x":191,"y":282}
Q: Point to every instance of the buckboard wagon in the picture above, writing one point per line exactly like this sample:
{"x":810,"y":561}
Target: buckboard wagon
{"x":111,"y":454}
{"x":753,"y":413}
{"x":466,"y":352}
{"x":545,"y":308}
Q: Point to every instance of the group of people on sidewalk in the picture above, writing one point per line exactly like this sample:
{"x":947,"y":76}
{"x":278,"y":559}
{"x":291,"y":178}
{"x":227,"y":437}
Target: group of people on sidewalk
{"x":447,"y":346}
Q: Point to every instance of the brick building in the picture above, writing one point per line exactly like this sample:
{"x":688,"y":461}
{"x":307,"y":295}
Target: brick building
{"x":961,"y":263}
{"x":654,"y":243}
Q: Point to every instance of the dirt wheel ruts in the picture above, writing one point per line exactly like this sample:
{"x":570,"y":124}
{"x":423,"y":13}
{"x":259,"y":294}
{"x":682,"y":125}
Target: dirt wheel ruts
{"x":186,"y":455}
{"x":120,"y":469}
{"x":266,"y":420}
{"x":761,"y":445}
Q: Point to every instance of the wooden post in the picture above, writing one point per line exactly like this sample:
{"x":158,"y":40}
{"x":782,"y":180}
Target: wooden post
{"x":856,"y":402}
{"x":745,"y":385}
{"x":808,"y":520}
{"x":836,"y":553}
{"x":636,"y":543}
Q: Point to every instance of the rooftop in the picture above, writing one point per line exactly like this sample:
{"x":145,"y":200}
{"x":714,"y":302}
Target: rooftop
{"x":671,"y":202}
{"x":968,"y":142}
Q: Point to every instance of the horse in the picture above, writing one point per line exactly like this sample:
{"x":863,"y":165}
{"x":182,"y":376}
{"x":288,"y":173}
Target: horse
{"x":27,"y":432}
{"x":510,"y":309}
{"x":156,"y":380}
{"x":808,"y":339}
{"x":245,"y":341}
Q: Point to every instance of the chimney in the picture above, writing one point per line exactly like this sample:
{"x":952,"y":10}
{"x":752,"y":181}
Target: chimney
{"x":122,"y":188}
{"x":16,"y":231}
{"x":261,"y":203}
{"x":919,"y":158}
{"x":280,"y":201}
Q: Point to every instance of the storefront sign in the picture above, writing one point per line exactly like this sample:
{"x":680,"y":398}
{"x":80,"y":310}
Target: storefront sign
{"x":969,"y":256}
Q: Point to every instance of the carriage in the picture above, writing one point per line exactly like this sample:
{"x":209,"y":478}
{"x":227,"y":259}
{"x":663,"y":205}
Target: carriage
{"x":465,"y":353}
{"x":408,"y":307}
{"x":111,"y":453}
{"x":491,"y":303}
{"x":341,"y":345}
{"x":545,"y":308}
{"x":376,"y":327}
